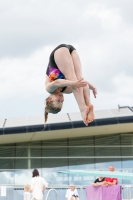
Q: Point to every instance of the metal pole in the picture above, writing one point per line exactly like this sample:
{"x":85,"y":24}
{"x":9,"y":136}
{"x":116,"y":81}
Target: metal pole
{"x":49,"y":193}
{"x":29,"y":158}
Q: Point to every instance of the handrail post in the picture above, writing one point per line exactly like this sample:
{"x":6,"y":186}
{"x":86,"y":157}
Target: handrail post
{"x":49,"y":193}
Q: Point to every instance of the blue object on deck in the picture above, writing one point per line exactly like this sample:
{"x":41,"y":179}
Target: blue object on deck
{"x":121,"y":175}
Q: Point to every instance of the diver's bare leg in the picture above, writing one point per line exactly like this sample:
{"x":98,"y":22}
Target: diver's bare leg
{"x":86,"y":90}
{"x":64,"y":62}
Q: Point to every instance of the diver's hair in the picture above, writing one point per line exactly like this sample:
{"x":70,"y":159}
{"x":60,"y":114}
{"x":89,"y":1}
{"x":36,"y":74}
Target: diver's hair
{"x":50,"y":108}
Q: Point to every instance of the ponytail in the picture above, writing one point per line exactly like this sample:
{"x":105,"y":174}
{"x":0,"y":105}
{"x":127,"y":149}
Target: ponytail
{"x":45,"y":116}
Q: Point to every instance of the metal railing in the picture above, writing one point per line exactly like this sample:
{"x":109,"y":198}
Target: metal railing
{"x":49,"y":193}
{"x":14,"y":192}
{"x":127,"y":192}
{"x":120,"y":107}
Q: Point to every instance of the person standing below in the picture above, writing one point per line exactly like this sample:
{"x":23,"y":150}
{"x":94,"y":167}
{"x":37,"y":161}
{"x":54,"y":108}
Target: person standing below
{"x":27,"y":192}
{"x":72,"y":193}
{"x":111,"y":181}
{"x":38,"y":185}
{"x":99,"y":181}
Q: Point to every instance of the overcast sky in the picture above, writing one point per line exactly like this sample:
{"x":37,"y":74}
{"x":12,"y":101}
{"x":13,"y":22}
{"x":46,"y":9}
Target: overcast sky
{"x":100,"y":30}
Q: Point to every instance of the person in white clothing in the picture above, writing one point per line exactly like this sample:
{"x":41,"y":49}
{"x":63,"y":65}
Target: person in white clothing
{"x":27,"y":192}
{"x":38,"y":185}
{"x":72,"y":193}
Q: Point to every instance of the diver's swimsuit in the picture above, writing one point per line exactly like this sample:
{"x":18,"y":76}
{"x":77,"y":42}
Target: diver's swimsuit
{"x":53,"y":71}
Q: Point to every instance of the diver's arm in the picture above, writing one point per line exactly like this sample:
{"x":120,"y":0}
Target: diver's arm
{"x":52,"y":86}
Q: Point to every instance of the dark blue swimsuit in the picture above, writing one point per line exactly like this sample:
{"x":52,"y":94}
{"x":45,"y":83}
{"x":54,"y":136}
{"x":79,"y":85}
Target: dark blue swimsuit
{"x":53,"y":71}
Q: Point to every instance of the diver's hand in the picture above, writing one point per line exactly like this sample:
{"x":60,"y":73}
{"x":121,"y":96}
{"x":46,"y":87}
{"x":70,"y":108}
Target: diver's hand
{"x":79,"y":83}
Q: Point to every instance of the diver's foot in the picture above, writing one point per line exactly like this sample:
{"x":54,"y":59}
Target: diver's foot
{"x":90,"y":116}
{"x":84,"y":114}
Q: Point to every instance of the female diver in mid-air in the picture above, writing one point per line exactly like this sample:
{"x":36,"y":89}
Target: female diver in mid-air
{"x":64,"y":75}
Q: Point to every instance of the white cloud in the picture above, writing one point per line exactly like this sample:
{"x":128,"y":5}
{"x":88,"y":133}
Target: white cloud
{"x":123,"y":85}
{"x":100,"y":31}
{"x":23,"y":177}
{"x":110,"y":17}
{"x":6,"y":177}
{"x":23,"y":76}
